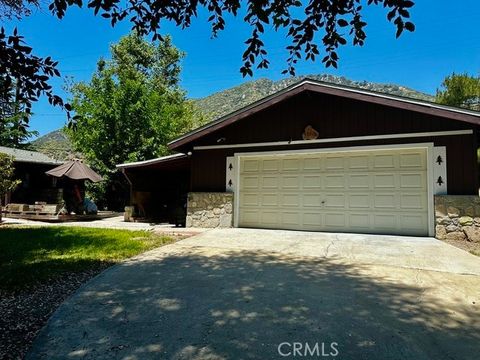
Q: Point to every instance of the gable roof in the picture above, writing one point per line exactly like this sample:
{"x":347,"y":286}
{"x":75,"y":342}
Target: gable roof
{"x":425,"y":107}
{"x":27,"y":156}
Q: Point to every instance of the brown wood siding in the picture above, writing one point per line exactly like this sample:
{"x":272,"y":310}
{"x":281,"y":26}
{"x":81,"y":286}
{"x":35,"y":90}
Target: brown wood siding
{"x":331,"y":116}
{"x":335,"y":117}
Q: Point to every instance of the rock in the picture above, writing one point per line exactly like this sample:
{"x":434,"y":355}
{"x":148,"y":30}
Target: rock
{"x":476,"y":220}
{"x":465,"y":221}
{"x":456,"y":235}
{"x":444,"y":220}
{"x":472,"y":233}
{"x":452,"y":228}
{"x":453,"y":212}
{"x":217,"y":211}
{"x":212,"y":223}
{"x":226,"y":221}
{"x":469,"y":211}
{"x":440,"y":232}
{"x":228,"y":208}
{"x":440,"y":210}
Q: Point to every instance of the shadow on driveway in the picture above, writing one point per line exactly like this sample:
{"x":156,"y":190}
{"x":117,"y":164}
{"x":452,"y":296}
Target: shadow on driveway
{"x":202,"y":304}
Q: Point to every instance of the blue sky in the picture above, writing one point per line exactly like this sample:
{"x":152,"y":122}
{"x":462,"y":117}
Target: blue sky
{"x":447,"y":39}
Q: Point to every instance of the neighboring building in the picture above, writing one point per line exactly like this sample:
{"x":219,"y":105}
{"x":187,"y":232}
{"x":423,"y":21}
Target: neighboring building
{"x":323,"y":157}
{"x":30,"y":168}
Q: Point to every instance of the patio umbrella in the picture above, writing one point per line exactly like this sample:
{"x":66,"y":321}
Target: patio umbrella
{"x":75,"y":170}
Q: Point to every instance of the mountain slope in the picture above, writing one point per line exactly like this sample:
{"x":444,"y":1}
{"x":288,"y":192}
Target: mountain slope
{"x":57,"y":144}
{"x":224,"y":102}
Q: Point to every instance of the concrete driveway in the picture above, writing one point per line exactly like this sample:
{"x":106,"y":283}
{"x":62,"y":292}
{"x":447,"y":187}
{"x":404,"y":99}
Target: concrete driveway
{"x":261,"y":294}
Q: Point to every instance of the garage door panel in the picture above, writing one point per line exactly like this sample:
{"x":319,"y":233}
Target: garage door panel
{"x":368,"y":191}
{"x":413,"y":224}
{"x":333,"y":163}
{"x":250,"y":183}
{"x":312,"y":200}
{"x":250,"y":166}
{"x":249,"y":199}
{"x":334,"y":181}
{"x":384,"y":161}
{"x":291,"y":164}
{"x":412,"y":161}
{"x":359,"y":181}
{"x":334,"y":201}
{"x":291,"y":218}
{"x":269,"y":200}
{"x":385,"y":221}
{"x":359,"y":162}
{"x":412,"y":181}
{"x":291,"y":182}
{"x":384,"y":181}
{"x":359,"y":221}
{"x":359,"y":201}
{"x":334,"y":220}
{"x":291,"y":200}
{"x":385,"y":201}
{"x":312,"y":219}
{"x":271,"y":165}
{"x":311,"y":182}
{"x":312,"y":163}
{"x":249,"y":217}
{"x":269,"y":182}
{"x":412,"y":201}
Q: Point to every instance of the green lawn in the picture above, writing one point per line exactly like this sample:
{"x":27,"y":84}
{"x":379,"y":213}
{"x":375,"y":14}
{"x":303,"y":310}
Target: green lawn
{"x":29,"y":255}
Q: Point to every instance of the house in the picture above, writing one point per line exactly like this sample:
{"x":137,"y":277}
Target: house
{"x":323,"y":157}
{"x":30,"y":168}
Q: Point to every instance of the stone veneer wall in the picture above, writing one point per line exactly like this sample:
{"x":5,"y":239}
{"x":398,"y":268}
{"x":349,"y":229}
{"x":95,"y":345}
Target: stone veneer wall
{"x":457,"y":217}
{"x":210,"y":209}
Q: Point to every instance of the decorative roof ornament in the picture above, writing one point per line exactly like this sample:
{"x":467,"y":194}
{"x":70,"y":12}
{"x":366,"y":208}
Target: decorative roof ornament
{"x":310,"y":133}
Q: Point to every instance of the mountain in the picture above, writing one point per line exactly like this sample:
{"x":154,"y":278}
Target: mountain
{"x":57,"y":144}
{"x":224,"y":102}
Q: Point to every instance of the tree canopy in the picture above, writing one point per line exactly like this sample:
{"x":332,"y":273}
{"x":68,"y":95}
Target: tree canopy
{"x":315,"y":29}
{"x":461,"y":90}
{"x":132,"y":106}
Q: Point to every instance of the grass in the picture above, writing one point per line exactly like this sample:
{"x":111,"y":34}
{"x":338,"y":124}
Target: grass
{"x":475,"y":252}
{"x":32,"y":255}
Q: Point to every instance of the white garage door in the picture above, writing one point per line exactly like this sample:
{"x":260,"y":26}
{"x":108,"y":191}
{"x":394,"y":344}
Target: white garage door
{"x":370,"y":191}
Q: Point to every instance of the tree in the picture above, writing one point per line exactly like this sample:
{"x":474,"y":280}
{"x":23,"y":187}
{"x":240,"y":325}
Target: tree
{"x":14,"y":121}
{"x":23,"y":79}
{"x":7,"y":183}
{"x":461,"y":90}
{"x":130,"y":109}
{"x":334,"y":20}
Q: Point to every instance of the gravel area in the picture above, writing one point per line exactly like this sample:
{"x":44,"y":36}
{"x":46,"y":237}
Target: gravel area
{"x":25,"y":312}
{"x":471,"y":247}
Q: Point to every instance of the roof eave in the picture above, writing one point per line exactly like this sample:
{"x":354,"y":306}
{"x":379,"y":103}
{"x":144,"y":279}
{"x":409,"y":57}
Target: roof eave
{"x":152,"y":161}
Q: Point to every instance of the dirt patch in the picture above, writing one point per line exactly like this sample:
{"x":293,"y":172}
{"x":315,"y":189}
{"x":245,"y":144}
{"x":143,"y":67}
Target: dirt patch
{"x":25,"y":312}
{"x":471,"y":247}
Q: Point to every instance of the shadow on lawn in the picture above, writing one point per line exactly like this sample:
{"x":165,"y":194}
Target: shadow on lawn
{"x":242,"y":305}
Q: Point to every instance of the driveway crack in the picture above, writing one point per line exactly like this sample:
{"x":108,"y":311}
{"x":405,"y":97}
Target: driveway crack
{"x":327,"y":249}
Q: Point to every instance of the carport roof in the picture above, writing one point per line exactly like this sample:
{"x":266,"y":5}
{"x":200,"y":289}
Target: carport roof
{"x":169,"y":159}
{"x":458,"y":114}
